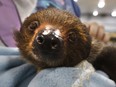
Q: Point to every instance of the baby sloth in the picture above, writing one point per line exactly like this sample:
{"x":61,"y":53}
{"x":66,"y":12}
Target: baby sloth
{"x":54,"y":38}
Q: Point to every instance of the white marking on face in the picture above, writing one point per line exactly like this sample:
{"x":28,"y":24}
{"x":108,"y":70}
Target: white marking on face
{"x":48,"y":30}
{"x":57,"y":33}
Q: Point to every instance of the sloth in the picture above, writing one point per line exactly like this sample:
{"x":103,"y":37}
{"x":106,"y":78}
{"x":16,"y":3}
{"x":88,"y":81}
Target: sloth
{"x":56,"y":38}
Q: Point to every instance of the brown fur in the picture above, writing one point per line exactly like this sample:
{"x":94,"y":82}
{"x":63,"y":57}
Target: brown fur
{"x":77,"y":44}
{"x":106,"y":61}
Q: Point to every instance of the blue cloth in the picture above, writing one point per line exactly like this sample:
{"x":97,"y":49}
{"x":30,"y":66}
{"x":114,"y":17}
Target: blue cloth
{"x":15,"y":72}
{"x":69,"y":5}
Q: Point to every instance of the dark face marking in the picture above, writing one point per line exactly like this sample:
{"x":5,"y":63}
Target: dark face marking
{"x":33,"y":25}
{"x":48,"y":43}
{"x":72,"y":36}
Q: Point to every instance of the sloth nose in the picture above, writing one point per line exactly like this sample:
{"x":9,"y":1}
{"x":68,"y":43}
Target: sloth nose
{"x":49,"y":42}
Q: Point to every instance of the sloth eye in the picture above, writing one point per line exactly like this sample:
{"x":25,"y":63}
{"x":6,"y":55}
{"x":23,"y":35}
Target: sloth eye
{"x":72,"y":36}
{"x":33,"y":25}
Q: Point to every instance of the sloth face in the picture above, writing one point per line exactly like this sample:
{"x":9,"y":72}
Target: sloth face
{"x":51,"y":38}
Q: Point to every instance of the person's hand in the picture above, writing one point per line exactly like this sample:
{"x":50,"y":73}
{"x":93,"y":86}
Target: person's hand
{"x":98,"y":31}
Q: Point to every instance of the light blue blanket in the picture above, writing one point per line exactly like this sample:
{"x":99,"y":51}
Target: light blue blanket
{"x":14,"y":72}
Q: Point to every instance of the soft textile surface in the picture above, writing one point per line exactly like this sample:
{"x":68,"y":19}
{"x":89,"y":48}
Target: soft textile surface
{"x":14,"y":72}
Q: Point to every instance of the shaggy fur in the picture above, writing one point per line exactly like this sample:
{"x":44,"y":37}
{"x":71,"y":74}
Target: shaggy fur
{"x":76,"y":42}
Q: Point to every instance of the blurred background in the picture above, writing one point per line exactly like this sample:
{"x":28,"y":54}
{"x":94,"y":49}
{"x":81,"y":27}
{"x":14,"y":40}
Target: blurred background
{"x":14,"y":12}
{"x":103,"y":11}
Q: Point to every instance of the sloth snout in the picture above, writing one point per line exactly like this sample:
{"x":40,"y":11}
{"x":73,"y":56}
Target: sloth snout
{"x":49,"y":41}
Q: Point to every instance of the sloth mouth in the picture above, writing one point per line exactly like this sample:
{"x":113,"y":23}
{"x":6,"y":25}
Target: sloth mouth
{"x":48,"y":55}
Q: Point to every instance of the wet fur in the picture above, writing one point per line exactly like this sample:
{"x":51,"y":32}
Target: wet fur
{"x":73,"y":52}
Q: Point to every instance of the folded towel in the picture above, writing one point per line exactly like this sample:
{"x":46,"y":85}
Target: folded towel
{"x":15,"y":72}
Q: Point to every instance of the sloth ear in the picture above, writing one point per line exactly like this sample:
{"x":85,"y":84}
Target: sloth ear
{"x":96,"y":48}
{"x":87,"y":41}
{"x":18,"y":37}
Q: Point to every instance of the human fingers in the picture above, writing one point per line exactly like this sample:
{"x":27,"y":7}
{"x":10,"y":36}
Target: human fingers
{"x":100,"y":32}
{"x":93,"y":29}
{"x":106,"y":37}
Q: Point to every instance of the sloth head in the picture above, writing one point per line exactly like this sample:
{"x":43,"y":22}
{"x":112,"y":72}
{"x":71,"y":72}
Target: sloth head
{"x":52,"y":37}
